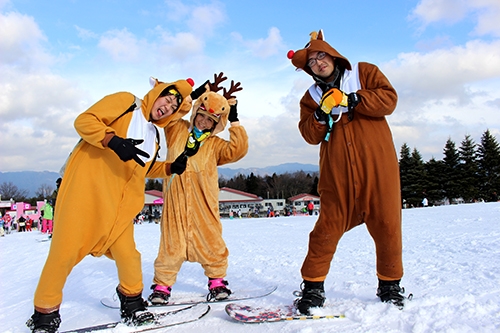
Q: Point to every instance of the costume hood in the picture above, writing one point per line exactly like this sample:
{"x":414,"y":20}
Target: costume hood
{"x":213,"y":105}
{"x":316,"y":43}
{"x":184,"y":87}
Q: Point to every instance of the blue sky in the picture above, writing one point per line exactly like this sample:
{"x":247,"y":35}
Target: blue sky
{"x":59,"y":57}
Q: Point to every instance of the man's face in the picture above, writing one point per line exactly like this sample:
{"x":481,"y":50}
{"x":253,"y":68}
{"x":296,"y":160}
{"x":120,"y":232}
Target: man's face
{"x":321,"y":64}
{"x":164,"y":107}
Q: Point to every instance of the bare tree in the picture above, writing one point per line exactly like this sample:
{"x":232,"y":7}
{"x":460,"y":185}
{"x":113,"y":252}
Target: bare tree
{"x":44,"y":191}
{"x":10,"y":191}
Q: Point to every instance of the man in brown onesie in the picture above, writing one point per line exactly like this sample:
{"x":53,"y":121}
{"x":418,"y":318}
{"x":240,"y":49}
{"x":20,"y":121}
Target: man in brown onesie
{"x":344,"y":111}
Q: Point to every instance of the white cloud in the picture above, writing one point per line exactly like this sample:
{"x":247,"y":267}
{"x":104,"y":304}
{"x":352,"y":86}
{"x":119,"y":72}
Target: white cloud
{"x":122,"y":45}
{"x":176,"y":10}
{"x":38,"y":111}
{"x":430,"y":11}
{"x":445,"y":93}
{"x":263,"y":47}
{"x":485,"y":12}
{"x":205,"y":19}
{"x":86,"y":34}
{"x":445,"y":72}
{"x":21,"y":42}
{"x":488,"y":17}
{"x":180,"y":46}
{"x":37,"y":107}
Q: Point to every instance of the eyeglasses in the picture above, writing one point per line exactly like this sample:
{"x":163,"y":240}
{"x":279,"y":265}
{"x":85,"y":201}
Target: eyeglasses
{"x":313,"y":61}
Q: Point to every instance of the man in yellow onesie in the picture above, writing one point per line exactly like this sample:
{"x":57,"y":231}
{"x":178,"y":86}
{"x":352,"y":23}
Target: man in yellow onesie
{"x":344,"y":111}
{"x":101,"y":192}
{"x":191,"y":229}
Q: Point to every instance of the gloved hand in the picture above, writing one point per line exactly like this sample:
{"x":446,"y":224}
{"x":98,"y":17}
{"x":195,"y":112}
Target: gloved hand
{"x":195,"y":94}
{"x":126,"y":149}
{"x":331,"y":99}
{"x":179,"y":165}
{"x":233,"y":113}
{"x":353,"y":99}
{"x":320,"y":116}
{"x":193,"y":143}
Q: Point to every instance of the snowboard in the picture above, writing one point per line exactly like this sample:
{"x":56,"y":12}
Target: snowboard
{"x":162,"y":320}
{"x":250,"y":314}
{"x":188,"y":299}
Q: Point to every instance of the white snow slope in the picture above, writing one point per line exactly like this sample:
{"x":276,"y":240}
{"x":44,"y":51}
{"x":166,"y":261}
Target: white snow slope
{"x":451,"y":259}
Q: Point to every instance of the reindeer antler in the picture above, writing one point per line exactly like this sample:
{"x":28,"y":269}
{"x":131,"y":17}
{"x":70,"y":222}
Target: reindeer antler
{"x":234,"y":88}
{"x":218,"y":79}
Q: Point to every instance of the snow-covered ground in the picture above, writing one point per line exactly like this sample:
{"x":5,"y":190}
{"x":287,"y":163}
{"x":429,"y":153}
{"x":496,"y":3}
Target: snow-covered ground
{"x":451,"y":259}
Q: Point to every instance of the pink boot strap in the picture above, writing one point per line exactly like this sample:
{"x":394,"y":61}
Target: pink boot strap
{"x":164,"y":289}
{"x":214,"y":283}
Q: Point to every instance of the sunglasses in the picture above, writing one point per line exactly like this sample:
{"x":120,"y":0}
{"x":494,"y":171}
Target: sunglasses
{"x":176,"y":94}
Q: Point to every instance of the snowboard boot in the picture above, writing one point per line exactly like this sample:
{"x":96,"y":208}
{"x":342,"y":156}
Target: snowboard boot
{"x":133,"y":310}
{"x":160,"y":294}
{"x":391,"y":292}
{"x":218,"y":289}
{"x":311,"y":296}
{"x":44,"y":322}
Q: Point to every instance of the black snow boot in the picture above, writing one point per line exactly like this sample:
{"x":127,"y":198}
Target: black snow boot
{"x":44,"y":322}
{"x":311,"y":296}
{"x":133,"y":310}
{"x":391,"y":292}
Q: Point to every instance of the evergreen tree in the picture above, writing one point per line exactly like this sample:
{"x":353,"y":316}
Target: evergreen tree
{"x":451,"y":174}
{"x":404,"y":171}
{"x":469,"y":177}
{"x":252,"y":184}
{"x":416,"y":179}
{"x":489,"y":166}
{"x":154,"y":184}
{"x":433,"y":181}
{"x":314,"y":187}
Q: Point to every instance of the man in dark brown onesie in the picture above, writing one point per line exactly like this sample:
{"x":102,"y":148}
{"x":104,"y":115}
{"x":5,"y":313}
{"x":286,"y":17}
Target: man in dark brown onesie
{"x":344,"y":111}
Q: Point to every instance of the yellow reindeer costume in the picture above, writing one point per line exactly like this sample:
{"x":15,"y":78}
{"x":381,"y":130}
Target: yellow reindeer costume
{"x":100,"y":194}
{"x":191,"y":229}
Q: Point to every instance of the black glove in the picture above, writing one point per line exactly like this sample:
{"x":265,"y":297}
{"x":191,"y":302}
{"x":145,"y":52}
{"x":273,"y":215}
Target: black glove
{"x":233,"y":114}
{"x":353,"y":99}
{"x":320,"y":116}
{"x":179,"y":165}
{"x":195,"y":94}
{"x":126,"y":149}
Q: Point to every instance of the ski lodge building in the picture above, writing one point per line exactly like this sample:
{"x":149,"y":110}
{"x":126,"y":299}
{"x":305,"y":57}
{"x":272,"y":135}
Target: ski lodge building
{"x":247,"y":203}
{"x":301,"y":201}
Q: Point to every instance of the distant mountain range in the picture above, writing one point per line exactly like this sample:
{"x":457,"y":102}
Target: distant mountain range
{"x":270,"y":170}
{"x":32,"y":180}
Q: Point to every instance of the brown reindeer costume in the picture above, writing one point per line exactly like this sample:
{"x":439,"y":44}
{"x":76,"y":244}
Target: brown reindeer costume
{"x":359,"y":172}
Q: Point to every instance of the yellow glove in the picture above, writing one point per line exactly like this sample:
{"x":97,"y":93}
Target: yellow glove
{"x":331,"y":99}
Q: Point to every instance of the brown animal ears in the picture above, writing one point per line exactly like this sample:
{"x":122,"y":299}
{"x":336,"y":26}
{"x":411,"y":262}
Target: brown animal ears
{"x":315,"y":35}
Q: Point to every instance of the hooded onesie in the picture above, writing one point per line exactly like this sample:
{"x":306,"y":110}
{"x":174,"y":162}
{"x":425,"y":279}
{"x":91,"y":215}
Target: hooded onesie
{"x":190,"y":228}
{"x":100,"y":194}
{"x":358,"y":166}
